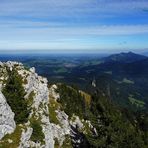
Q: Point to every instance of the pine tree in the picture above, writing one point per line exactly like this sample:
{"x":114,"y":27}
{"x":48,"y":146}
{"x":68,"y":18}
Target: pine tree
{"x":14,"y":93}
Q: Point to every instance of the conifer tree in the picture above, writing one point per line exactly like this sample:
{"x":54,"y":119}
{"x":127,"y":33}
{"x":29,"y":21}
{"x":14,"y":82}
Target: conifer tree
{"x":14,"y":93}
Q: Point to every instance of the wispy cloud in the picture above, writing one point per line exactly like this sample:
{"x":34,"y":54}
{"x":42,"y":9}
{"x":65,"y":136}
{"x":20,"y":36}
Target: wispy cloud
{"x":56,"y":29}
{"x":40,"y":21}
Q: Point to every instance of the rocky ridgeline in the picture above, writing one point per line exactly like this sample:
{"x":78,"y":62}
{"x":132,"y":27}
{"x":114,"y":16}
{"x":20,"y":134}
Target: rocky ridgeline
{"x":57,"y":128}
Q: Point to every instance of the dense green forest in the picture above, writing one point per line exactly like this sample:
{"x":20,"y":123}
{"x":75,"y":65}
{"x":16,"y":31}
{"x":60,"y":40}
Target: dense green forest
{"x":72,"y":101}
{"x":116,"y":127}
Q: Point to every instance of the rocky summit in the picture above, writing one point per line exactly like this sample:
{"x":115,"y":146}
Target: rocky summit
{"x":39,"y":120}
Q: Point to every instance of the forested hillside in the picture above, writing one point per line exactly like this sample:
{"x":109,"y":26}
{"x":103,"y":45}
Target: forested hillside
{"x":115,"y":127}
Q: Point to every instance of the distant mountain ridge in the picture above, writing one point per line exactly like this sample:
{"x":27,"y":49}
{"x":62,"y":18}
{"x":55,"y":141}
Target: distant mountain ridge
{"x":125,"y":57}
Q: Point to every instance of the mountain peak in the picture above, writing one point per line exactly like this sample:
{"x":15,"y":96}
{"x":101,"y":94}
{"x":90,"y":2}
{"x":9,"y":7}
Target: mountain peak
{"x":125,"y":57}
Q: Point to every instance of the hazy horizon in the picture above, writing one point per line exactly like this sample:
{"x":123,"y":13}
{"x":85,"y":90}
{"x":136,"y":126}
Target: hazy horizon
{"x":91,"y":52}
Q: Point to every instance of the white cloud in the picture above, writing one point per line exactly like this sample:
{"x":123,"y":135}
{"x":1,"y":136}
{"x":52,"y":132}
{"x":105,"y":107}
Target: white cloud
{"x":51,"y":30}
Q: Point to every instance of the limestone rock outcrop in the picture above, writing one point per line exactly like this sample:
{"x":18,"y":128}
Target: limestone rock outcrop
{"x":39,"y":97}
{"x":7,"y":123}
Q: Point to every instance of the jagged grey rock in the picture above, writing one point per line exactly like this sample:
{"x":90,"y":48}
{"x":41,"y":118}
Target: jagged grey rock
{"x":53,"y":93}
{"x":39,"y":86}
{"x":7,"y":123}
{"x":25,"y":137}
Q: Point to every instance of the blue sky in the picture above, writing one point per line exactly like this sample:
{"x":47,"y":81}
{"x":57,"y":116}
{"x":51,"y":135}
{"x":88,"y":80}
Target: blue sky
{"x":74,"y":25}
